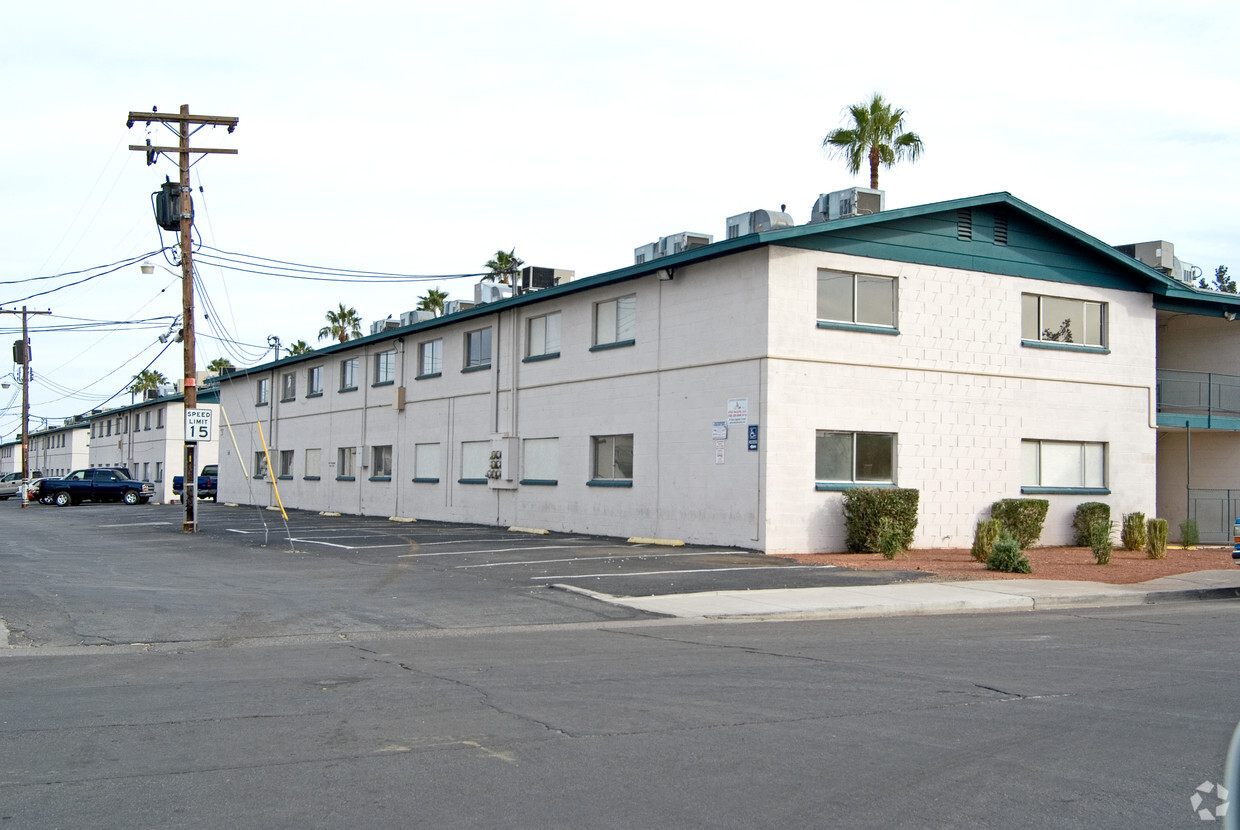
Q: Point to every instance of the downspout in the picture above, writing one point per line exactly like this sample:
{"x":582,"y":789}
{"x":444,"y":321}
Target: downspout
{"x":1188,"y":473}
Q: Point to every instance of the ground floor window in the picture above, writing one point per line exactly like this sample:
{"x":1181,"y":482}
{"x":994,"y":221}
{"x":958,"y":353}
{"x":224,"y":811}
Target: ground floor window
{"x":426,"y":462}
{"x":313,"y":462}
{"x":855,"y":457}
{"x":286,"y":463}
{"x":260,"y":464}
{"x":381,"y":461}
{"x":1068,"y":464}
{"x":540,"y":463}
{"x":612,"y":457}
{"x":475,"y":461}
{"x":345,"y":458}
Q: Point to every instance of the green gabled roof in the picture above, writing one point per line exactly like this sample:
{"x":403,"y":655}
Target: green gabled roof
{"x":1038,"y":246}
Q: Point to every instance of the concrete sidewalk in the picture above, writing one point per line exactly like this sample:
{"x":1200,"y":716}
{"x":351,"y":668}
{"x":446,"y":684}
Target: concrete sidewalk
{"x":916,"y":598}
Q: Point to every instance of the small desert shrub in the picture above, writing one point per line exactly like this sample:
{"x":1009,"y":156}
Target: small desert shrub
{"x":866,"y":508}
{"x":1086,"y":515}
{"x":1099,"y":537}
{"x":1156,"y":539}
{"x":984,"y":538}
{"x":1006,"y":556}
{"x":1132,"y":533}
{"x":1190,"y":536}
{"x":1022,"y":518}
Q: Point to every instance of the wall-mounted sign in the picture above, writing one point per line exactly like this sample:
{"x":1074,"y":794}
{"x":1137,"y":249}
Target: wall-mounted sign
{"x":738,"y":411}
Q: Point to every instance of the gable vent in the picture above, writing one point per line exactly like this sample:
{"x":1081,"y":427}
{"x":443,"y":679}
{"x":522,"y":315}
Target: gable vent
{"x":964,"y":224}
{"x":1001,"y":228}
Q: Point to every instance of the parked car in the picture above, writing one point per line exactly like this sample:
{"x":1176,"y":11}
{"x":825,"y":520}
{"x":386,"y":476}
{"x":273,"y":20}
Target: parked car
{"x":11,"y":484}
{"x":207,"y":483}
{"x":95,"y":484}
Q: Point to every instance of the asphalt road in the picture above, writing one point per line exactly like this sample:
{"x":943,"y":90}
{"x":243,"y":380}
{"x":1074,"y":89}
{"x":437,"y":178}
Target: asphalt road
{"x":184,"y":683}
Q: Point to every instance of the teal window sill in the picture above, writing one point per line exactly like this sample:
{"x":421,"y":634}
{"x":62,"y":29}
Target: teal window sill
{"x":380,"y":478}
{"x":870,"y":329}
{"x":382,"y":383}
{"x":346,"y":478}
{"x":534,"y":358}
{"x":286,"y":400}
{"x":539,"y":482}
{"x":1068,"y":491}
{"x":610,"y":482}
{"x":428,"y":377}
{"x":425,"y":480}
{"x":284,"y":478}
{"x":618,"y":344}
{"x":481,"y":368}
{"x":258,"y":478}
{"x":471,"y":481}
{"x":309,"y":478}
{"x":348,"y":389}
{"x":831,"y":486}
{"x":314,"y":394}
{"x":260,"y":403}
{"x":1064,"y":347}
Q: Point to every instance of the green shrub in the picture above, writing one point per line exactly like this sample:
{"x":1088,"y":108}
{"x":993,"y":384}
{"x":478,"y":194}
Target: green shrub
{"x":1156,"y":539}
{"x":1190,"y":536}
{"x":1086,"y":515}
{"x":1022,"y":518}
{"x":1006,"y":556}
{"x":864,"y":511}
{"x":1132,"y":534}
{"x":984,"y":538}
{"x":1098,"y":534}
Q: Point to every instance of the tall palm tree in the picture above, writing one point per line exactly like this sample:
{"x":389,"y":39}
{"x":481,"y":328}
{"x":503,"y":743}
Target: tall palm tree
{"x":875,"y":136}
{"x":342,"y":324}
{"x":433,"y":300}
{"x":300,"y":347}
{"x":148,"y":380}
{"x":220,"y":366}
{"x":503,"y":266}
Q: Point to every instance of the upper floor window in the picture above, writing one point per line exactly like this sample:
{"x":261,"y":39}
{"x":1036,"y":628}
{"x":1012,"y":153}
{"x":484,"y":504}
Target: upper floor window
{"x":314,"y":380}
{"x":855,"y":457}
{"x":288,"y":386}
{"x":262,"y":393}
{"x":615,"y":321}
{"x":430,"y":358}
{"x":542,"y":336}
{"x":348,"y":374}
{"x":1063,"y":320}
{"x":859,"y":299}
{"x":159,"y":418}
{"x":478,"y":349}
{"x":385,"y":367}
{"x":1063,"y":464}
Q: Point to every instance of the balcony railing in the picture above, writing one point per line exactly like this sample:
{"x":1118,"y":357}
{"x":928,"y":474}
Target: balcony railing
{"x":1198,"y":393}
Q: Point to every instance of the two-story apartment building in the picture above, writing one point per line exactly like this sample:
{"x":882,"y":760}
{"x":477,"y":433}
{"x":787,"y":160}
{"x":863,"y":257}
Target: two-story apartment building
{"x":974,"y":350}
{"x":56,"y":451}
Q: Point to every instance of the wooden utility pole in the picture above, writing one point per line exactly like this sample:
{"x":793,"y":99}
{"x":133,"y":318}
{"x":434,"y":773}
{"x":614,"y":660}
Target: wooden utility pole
{"x":21,"y":354}
{"x":190,"y":383}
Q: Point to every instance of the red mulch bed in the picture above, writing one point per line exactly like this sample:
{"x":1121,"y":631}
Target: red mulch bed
{"x":951,"y":564}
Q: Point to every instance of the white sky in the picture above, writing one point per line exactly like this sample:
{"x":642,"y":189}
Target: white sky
{"x":421,"y":137}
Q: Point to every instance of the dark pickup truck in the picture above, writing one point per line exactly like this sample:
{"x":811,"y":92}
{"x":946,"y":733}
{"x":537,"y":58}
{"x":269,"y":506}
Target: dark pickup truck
{"x":207,"y":482}
{"x":95,"y":484}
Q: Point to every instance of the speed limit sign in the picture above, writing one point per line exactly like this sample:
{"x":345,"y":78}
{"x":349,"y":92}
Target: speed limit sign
{"x":197,"y":425}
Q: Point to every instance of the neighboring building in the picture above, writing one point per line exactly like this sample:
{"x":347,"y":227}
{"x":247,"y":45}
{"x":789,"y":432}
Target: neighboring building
{"x":974,"y":350}
{"x":11,"y":456}
{"x":148,"y":439}
{"x":57,"y":451}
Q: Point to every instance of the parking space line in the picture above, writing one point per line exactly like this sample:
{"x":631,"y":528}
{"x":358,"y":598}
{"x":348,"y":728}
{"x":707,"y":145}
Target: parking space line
{"x":499,"y":550}
{"x":597,"y":558}
{"x":698,"y":571}
{"x":346,"y":547}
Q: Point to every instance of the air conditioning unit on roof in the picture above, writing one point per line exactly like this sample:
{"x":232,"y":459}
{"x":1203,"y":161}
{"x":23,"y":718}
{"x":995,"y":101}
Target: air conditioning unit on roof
{"x":842,"y":204}
{"x":408,"y":318}
{"x":380,"y":326}
{"x":454,"y":306}
{"x":757,"y":221}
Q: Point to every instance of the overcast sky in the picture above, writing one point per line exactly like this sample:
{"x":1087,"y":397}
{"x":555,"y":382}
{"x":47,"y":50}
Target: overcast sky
{"x":419,"y":138}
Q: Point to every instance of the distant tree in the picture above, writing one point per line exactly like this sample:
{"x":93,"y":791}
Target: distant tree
{"x":342,"y":324}
{"x":1064,"y":335}
{"x":300,"y":347}
{"x":1222,"y":282}
{"x":503,"y":266}
{"x":220,"y":366}
{"x":875,"y":137}
{"x":433,"y":300}
{"x":148,"y":380}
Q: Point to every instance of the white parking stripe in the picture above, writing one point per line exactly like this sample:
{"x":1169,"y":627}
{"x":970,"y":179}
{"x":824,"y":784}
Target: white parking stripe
{"x":699,"y":571}
{"x":591,"y":559}
{"x":500,"y":550}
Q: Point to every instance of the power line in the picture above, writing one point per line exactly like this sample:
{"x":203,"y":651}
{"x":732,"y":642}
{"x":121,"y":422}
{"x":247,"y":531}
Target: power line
{"x":303,"y":271}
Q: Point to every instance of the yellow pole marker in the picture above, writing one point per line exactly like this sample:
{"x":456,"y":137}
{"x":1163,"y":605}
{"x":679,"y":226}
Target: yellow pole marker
{"x":267,"y":455}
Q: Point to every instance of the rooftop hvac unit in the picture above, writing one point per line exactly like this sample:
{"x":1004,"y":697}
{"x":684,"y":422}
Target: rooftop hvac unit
{"x":855,"y":201}
{"x":645,"y":253}
{"x":491,"y":292}
{"x":380,"y":326}
{"x":757,"y":221}
{"x":533,"y":278}
{"x":1159,"y":254}
{"x":454,"y":306}
{"x":684,"y":241}
{"x":408,"y":318}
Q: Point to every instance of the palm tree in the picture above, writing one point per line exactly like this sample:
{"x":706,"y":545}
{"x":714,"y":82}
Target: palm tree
{"x":300,"y":347}
{"x":342,"y":323}
{"x":148,"y":380}
{"x":503,"y":265}
{"x":221,"y":366}
{"x":875,"y":135}
{"x":433,"y":300}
